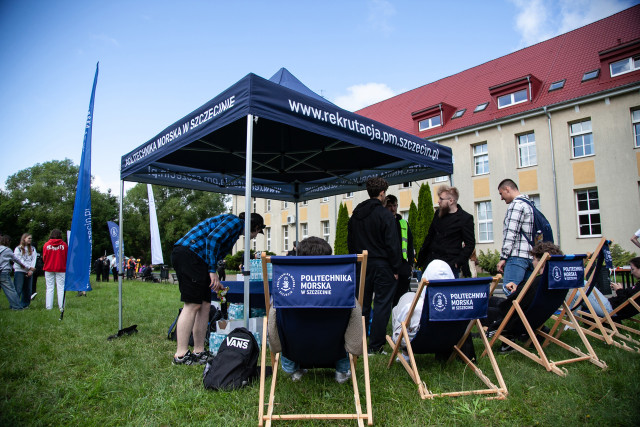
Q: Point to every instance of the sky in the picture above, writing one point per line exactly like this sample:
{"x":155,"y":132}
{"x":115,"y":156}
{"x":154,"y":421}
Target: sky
{"x":160,"y":60}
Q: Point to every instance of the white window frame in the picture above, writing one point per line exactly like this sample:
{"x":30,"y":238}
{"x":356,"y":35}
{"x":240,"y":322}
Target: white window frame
{"x":535,"y":199}
{"x":579,"y":134}
{"x":404,"y":215}
{"x":268,"y":205}
{"x":527,"y":143}
{"x":631,"y":63}
{"x":267,"y":236}
{"x":325,"y":199}
{"x":349,"y":195}
{"x":588,"y":212}
{"x":429,"y":123}
{"x":254,"y":245}
{"x":304,"y":230}
{"x":484,"y":219}
{"x":478,"y":159}
{"x":406,"y":184}
{"x":510,"y":99}
{"x":442,"y":178}
{"x":255,"y":204}
{"x":635,"y":123}
{"x":285,"y":238}
{"x":304,"y":203}
{"x":285,"y":205}
{"x":326,"y":230}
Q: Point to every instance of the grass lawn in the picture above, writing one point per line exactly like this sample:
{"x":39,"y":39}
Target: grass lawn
{"x":57,"y":373}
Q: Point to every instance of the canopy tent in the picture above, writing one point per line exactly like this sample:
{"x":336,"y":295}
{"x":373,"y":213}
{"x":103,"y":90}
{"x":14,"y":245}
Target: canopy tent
{"x":279,"y":140}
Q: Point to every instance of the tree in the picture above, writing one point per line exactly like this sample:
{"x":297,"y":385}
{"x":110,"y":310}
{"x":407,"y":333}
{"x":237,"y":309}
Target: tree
{"x":340,"y":245}
{"x":413,"y":217}
{"x":425,"y":215}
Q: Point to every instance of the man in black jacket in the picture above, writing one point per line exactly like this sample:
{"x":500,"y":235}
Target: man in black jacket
{"x":407,"y":251}
{"x":373,"y":228}
{"x":451,"y":236}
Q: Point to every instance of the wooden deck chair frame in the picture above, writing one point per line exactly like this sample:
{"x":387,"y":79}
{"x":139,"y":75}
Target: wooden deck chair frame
{"x":605,"y":328}
{"x":275,"y":359}
{"x":497,"y":392}
{"x":540,"y":356}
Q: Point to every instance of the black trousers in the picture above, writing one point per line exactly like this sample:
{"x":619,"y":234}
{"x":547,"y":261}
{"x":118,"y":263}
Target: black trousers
{"x":379,"y":287}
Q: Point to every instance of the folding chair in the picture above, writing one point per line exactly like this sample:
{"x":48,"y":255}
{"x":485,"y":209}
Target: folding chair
{"x":560,"y":273}
{"x":450,"y":310}
{"x":314,"y":297}
{"x":609,"y":327}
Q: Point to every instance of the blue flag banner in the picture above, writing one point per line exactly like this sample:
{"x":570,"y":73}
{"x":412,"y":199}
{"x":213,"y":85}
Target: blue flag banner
{"x":462,"y":299}
{"x":608,"y":260}
{"x":565,"y":271}
{"x":79,"y":256}
{"x":114,"y":232}
{"x":311,"y":282}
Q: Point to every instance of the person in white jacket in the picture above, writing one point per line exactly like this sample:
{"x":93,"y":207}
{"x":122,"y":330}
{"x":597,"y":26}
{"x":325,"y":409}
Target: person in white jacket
{"x":23,"y":277}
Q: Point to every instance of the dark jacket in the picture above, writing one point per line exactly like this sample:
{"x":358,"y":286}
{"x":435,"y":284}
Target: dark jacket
{"x":373,"y":228}
{"x":445,"y":238}
{"x":623,"y":295}
{"x":406,"y":266}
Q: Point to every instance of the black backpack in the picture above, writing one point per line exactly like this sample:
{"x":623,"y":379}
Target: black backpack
{"x":542,"y":231}
{"x":235,"y":365}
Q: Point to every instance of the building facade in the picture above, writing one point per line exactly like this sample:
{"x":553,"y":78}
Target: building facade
{"x":561,"y":118}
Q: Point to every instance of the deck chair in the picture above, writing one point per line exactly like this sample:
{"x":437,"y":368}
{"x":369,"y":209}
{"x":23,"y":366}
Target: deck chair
{"x":450,"y":310}
{"x":311,"y":323}
{"x":608,"y":328}
{"x":560,"y":274}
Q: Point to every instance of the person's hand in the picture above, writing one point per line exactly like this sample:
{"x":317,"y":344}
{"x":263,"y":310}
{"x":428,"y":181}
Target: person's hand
{"x":395,"y":276}
{"x":511,"y":286}
{"x":215,"y":284}
{"x":500,"y":266}
{"x":30,"y":273}
{"x":616,"y":286}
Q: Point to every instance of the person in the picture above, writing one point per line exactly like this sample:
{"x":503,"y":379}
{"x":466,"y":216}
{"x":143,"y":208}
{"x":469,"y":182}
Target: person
{"x":373,"y":228}
{"x":6,"y":257}
{"x":23,"y":277}
{"x":195,"y":257}
{"x":635,"y":237}
{"x":39,"y":272}
{"x":436,"y":270}
{"x":97,"y":267}
{"x":515,"y":256}
{"x":406,"y":249}
{"x":106,"y":266}
{"x":621,"y":293}
{"x":222,"y":270}
{"x":293,"y":252}
{"x":54,"y":255}
{"x":451,"y":236}
{"x":114,"y":268}
{"x":315,"y":246}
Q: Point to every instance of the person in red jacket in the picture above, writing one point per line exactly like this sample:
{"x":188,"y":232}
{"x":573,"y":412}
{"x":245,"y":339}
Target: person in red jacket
{"x":54,"y":255}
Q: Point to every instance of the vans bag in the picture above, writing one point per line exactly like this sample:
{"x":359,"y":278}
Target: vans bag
{"x":235,"y":365}
{"x":542,"y":231}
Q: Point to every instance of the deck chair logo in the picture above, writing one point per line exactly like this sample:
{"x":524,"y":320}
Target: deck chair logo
{"x":439,"y":301}
{"x":286,"y":284}
{"x":236,"y":342}
{"x":556,"y":272}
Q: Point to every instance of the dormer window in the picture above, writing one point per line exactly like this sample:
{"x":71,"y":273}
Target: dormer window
{"x":624,"y":66}
{"x":429,"y":123}
{"x":512,"y":98}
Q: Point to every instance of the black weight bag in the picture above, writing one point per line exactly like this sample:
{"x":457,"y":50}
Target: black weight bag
{"x":235,"y":365}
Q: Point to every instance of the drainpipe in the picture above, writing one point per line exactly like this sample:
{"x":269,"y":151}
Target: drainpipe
{"x":553,"y":172}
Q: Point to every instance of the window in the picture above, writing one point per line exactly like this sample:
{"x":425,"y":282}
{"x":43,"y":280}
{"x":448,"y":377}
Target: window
{"x":304,"y":203}
{"x":458,"y":113}
{"x":406,"y":184}
{"x":527,"y":150}
{"x":557,"y":85}
{"x":485,"y":222}
{"x":349,"y":195}
{"x":267,"y":236}
{"x":624,"y":66}
{"x":635,"y":120}
{"x":405,"y":215}
{"x":304,"y":230}
{"x":325,"y":230}
{"x":325,"y":199}
{"x":582,"y":139}
{"x":429,"y":123}
{"x":535,"y":199}
{"x":512,"y":98}
{"x":254,"y":204}
{"x":481,"y":159}
{"x":441,"y":178}
{"x":268,"y":205}
{"x":285,"y":205}
{"x":590,"y":75}
{"x":588,"y":213}
{"x":254,"y":245}
{"x":481,"y":107}
{"x":285,"y":237}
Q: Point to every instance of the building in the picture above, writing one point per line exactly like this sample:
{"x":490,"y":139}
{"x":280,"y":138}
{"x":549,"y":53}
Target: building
{"x":561,"y":118}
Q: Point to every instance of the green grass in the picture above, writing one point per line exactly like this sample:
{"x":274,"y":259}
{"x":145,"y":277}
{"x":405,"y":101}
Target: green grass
{"x":66,"y":372}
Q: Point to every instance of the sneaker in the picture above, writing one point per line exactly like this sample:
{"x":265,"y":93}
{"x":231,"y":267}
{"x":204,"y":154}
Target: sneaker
{"x":298,"y":374}
{"x":405,"y":356}
{"x":187,"y":359}
{"x":33,"y":295}
{"x":377,"y":352}
{"x":343,"y":377}
{"x":504,"y":348}
{"x":200,"y":358}
{"x":491,"y":333}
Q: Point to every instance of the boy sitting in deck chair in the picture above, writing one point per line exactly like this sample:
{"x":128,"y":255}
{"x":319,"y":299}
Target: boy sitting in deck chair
{"x":315,"y":246}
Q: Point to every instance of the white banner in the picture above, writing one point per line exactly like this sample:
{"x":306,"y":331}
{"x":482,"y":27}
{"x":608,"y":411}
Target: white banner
{"x":156,"y":248}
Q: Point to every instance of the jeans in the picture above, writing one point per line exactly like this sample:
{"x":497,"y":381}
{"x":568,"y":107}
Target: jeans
{"x":516,"y":270}
{"x":289,"y":366}
{"x":54,"y":280}
{"x":23,"y":287}
{"x":594,"y":302}
{"x":10,"y":291}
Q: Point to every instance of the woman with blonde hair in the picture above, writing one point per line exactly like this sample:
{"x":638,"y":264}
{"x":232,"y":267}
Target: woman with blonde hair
{"x":23,"y":276}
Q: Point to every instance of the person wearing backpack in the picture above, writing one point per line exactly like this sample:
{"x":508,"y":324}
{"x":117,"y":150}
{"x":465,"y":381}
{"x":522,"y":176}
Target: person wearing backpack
{"x":515,"y":257}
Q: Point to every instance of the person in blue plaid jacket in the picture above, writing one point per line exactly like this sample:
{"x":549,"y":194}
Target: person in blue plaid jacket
{"x":195,"y":258}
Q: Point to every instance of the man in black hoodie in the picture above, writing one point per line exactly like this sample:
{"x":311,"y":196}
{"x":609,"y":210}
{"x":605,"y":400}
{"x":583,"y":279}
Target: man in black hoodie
{"x":373,"y":228}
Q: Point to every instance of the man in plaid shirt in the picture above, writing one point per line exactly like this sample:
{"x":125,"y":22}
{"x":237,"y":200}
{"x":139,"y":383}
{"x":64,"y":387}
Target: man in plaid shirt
{"x":195,"y":258}
{"x":515,"y":258}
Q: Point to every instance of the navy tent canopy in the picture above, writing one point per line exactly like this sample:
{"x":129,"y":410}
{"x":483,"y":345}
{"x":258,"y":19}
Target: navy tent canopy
{"x":303,"y":147}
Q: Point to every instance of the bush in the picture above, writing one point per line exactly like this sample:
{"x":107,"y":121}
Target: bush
{"x":489,"y":261}
{"x":621,"y":257}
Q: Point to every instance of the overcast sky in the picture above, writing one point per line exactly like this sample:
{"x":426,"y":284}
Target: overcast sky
{"x":160,"y":60}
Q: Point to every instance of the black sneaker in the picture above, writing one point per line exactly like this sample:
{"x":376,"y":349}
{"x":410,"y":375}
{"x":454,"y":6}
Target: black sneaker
{"x":187,"y":359}
{"x":200,"y":358}
{"x":504,"y":348}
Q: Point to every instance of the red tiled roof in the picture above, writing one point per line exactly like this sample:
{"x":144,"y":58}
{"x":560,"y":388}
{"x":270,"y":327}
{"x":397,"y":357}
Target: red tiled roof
{"x":567,"y":56}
